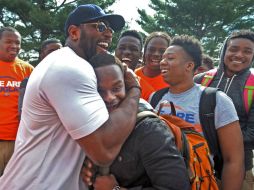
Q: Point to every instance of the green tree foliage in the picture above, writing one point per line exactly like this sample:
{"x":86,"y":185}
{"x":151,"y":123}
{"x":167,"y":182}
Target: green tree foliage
{"x":37,"y":20}
{"x":208,"y":20}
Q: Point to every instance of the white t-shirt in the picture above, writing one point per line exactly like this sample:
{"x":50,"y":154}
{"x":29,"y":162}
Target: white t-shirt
{"x":187,"y":107}
{"x":61,"y":104}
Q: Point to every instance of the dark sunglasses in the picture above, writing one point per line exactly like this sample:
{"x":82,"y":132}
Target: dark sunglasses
{"x":101,"y":26}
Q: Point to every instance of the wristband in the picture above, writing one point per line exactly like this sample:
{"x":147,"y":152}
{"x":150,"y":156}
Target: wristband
{"x":117,"y":187}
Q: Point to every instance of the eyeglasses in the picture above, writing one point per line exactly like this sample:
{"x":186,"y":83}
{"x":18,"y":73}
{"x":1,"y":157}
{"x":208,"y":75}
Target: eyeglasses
{"x":101,"y":26}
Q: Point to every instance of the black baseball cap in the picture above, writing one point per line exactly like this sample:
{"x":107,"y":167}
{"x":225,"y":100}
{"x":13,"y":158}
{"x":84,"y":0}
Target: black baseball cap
{"x":90,"y":12}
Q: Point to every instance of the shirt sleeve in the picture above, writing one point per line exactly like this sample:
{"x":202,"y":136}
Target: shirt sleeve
{"x":225,"y":111}
{"x":72,"y":92}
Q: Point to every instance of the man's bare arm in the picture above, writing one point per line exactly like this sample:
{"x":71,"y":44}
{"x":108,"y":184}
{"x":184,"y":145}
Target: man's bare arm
{"x":103,"y":145}
{"x":231,"y":144}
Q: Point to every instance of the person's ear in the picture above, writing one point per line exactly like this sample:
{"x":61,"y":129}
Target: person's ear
{"x":190,"y":65}
{"x":74,"y":32}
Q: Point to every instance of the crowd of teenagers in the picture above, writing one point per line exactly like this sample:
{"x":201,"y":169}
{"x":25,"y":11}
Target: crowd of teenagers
{"x":155,"y":115}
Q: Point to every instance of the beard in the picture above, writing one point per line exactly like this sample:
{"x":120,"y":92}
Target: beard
{"x":88,"y":45}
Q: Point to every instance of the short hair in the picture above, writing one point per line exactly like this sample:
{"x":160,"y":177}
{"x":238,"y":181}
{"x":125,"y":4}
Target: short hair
{"x":132,"y":33}
{"x":47,"y":42}
{"x":247,"y":34}
{"x":105,"y":59}
{"x":243,"y":33}
{"x":163,"y":35}
{"x":191,"y":46}
{"x":208,"y":61}
{"x":8,"y":29}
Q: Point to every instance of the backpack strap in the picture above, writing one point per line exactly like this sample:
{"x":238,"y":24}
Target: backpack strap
{"x":206,"y":114}
{"x":157,"y":96}
{"x":248,"y":91}
{"x":208,"y":77}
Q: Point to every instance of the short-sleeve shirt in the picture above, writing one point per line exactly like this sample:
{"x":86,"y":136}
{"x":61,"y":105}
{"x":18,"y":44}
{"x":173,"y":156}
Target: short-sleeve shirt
{"x":187,"y":107}
{"x":61,"y":104}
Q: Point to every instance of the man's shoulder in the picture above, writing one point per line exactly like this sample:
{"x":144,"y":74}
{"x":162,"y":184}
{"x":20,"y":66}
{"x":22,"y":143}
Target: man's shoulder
{"x":223,"y":101}
{"x":194,"y":91}
{"x":23,"y":63}
{"x":222,"y":95}
{"x":152,"y":126}
{"x":198,"y":78}
{"x":65,"y":59}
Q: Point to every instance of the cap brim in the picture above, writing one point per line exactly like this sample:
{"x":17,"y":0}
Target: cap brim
{"x":116,"y":22}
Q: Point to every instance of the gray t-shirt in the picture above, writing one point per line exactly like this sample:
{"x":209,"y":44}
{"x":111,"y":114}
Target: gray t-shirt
{"x":61,"y":104}
{"x":187,"y":107}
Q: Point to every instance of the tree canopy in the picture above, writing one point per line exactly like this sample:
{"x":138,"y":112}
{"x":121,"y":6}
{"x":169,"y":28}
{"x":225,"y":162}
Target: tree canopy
{"x":210,"y":21}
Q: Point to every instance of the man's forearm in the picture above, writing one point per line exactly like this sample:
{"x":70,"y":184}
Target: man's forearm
{"x":104,"y":144}
{"x":121,"y":121}
{"x":232,"y":176}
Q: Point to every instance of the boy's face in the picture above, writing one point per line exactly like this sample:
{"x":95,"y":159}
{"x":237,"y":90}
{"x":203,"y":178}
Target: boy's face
{"x":10,"y":44}
{"x":175,"y":65}
{"x":128,"y":50}
{"x":239,"y":55}
{"x":49,"y":49}
{"x":111,"y":85}
{"x":154,"y":51}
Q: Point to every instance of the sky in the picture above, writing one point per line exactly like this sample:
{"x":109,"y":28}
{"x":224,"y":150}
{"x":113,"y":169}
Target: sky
{"x":128,"y":9}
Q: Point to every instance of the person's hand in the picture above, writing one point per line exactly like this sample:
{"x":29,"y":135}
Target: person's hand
{"x":130,"y":78}
{"x":88,"y":172}
{"x":106,"y":182}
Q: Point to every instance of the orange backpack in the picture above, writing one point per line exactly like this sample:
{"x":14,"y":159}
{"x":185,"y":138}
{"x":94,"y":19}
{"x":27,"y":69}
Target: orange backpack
{"x":193,"y":147}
